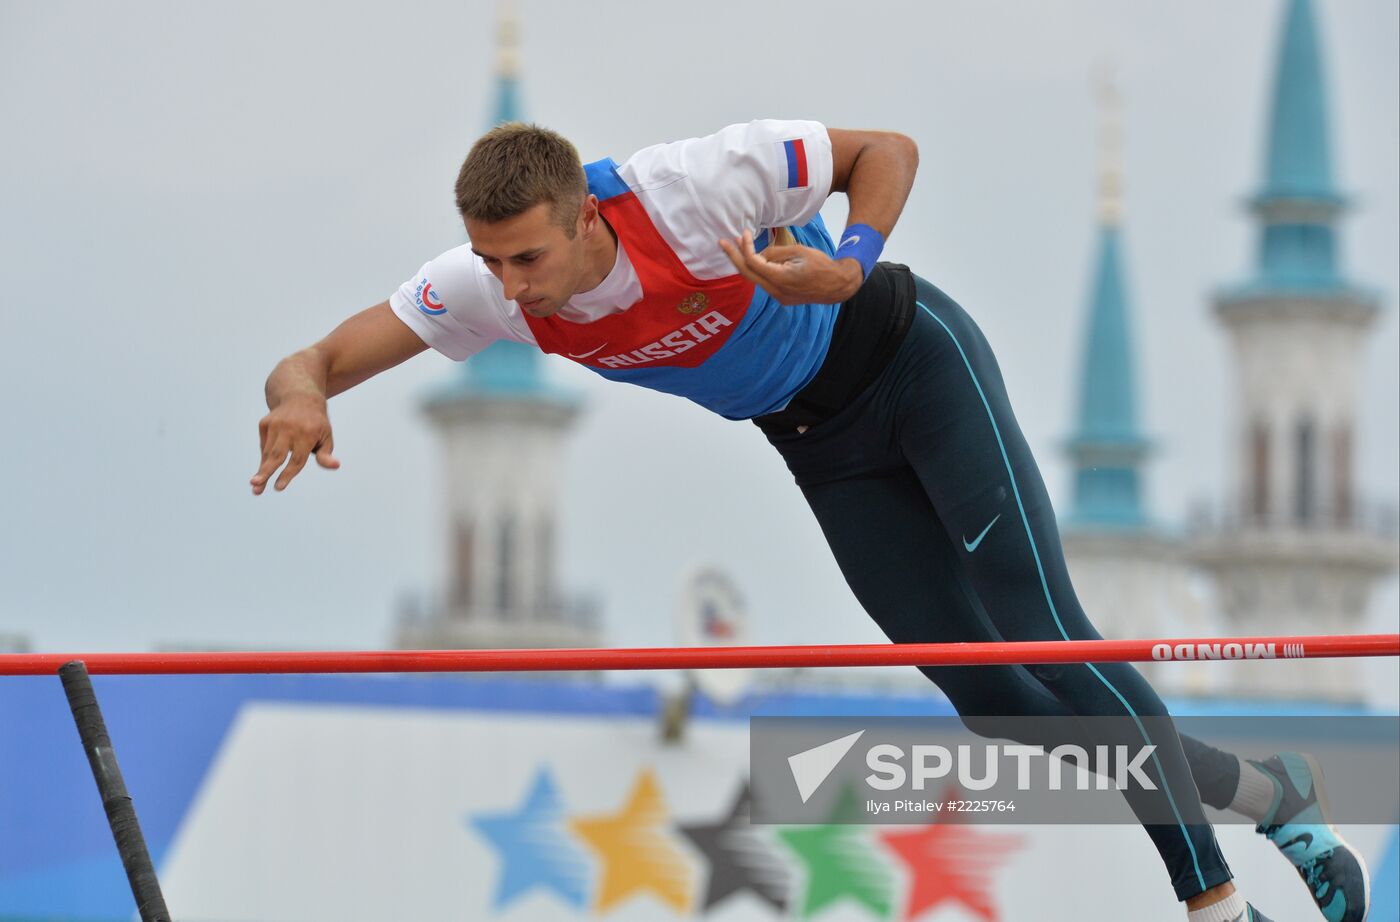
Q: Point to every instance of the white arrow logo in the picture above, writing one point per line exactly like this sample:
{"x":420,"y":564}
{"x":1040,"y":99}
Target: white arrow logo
{"x":811,"y":767}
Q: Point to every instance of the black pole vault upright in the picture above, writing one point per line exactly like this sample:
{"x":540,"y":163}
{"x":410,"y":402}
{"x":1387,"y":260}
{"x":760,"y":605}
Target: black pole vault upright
{"x":121,"y":815}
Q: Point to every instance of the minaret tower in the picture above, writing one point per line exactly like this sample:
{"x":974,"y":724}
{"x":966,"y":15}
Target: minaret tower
{"x":1130,"y":575}
{"x":503,"y":429}
{"x":1296,"y":551}
{"x":1107,"y":448}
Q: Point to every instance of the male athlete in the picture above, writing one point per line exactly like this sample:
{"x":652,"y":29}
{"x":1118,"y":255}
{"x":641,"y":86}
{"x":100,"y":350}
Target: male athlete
{"x":702,"y":268}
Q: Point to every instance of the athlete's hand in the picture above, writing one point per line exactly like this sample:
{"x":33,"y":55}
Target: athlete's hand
{"x":299,"y":427}
{"x":794,"y":274}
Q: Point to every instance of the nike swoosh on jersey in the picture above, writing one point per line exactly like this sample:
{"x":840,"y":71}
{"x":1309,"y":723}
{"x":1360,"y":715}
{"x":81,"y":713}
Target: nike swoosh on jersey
{"x":978,"y":540}
{"x":587,"y":354}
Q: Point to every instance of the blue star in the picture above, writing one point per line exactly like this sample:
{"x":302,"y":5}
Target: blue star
{"x":535,"y":847}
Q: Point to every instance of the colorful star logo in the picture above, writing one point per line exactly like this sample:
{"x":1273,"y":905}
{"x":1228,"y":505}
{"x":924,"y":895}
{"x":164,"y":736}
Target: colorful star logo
{"x":534,"y":848}
{"x":951,"y":863}
{"x":740,"y":857}
{"x":637,"y":853}
{"x":840,"y":863}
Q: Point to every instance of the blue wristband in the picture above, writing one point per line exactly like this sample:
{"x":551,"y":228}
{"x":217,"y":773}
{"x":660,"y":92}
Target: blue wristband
{"x":862,"y":243}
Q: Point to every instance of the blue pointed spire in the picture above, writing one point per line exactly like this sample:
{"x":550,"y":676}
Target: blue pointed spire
{"x":1107,"y":396}
{"x":1298,"y":205}
{"x":1107,"y":447}
{"x":1298,"y":162}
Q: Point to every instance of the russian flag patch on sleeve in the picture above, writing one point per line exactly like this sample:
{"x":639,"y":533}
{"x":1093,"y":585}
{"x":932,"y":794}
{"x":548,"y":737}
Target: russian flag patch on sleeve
{"x":795,"y":156}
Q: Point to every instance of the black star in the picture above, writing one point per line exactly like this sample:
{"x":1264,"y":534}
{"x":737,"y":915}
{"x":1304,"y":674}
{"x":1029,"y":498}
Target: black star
{"x":740,"y":857}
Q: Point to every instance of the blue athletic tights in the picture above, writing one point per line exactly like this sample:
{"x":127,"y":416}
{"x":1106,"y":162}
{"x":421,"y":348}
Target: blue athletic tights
{"x":940,"y":522}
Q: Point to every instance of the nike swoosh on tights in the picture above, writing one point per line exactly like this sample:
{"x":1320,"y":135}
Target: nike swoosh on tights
{"x":978,"y":540}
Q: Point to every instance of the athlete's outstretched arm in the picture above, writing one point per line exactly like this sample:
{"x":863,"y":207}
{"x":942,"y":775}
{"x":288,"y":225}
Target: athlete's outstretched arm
{"x":297,"y":423}
{"x":876,"y":171}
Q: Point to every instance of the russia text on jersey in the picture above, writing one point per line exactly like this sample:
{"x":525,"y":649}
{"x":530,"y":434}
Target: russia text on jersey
{"x":674,"y":343}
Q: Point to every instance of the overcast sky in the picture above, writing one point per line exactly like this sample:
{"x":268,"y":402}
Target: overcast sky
{"x":193,"y":190}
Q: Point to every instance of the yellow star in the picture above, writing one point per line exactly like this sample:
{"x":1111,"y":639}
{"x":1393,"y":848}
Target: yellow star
{"x":636,"y":852}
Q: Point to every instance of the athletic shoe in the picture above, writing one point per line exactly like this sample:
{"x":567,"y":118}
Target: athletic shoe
{"x":1300,"y":824}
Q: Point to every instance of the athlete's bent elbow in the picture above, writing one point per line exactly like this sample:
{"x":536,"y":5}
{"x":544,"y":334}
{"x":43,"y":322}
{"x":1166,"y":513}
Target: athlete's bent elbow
{"x":909,"y":149}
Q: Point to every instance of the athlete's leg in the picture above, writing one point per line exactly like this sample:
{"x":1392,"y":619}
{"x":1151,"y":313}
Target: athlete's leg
{"x":905,"y":573}
{"x":955,"y":426}
{"x":898,"y":560}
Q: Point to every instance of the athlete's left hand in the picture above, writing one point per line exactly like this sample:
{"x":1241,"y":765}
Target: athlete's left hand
{"x":794,"y":274}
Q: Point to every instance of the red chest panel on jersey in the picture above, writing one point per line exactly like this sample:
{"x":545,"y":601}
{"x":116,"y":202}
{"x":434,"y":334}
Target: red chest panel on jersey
{"x":681,"y":320}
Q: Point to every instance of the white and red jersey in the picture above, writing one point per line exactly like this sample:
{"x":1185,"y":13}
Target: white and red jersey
{"x":672,"y":314}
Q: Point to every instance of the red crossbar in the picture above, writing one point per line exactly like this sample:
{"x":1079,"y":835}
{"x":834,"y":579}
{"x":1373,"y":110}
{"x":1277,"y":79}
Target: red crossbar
{"x":571,"y":660}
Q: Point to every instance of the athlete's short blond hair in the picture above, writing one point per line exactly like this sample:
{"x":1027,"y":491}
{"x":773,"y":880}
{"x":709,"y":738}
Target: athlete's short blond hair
{"x":514,"y":167}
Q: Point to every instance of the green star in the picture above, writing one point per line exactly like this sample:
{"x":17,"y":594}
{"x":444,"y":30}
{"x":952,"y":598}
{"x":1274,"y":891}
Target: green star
{"x":839,"y":862}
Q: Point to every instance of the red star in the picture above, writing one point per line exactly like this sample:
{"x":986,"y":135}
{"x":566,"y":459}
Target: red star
{"x":951,"y":863}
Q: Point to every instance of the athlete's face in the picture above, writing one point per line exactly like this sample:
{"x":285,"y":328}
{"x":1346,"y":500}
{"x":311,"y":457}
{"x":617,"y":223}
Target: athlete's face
{"x":539,"y":266}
